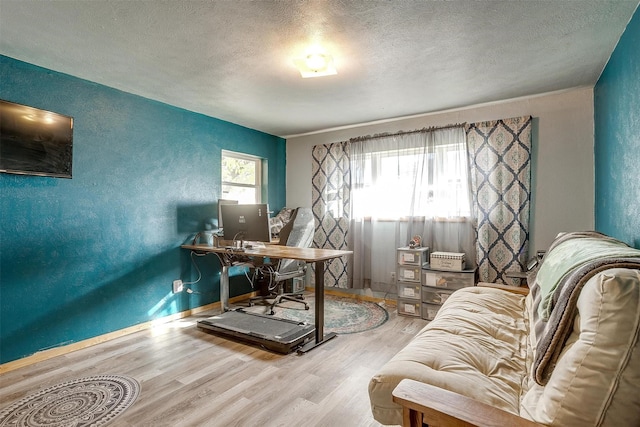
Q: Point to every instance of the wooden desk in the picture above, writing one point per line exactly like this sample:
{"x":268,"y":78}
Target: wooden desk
{"x":309,"y":255}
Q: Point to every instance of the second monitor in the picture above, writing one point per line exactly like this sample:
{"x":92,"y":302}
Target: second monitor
{"x":246,"y":222}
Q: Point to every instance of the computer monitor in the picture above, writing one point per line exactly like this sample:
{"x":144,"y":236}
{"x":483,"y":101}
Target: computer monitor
{"x":220,"y":203}
{"x":246,"y":222}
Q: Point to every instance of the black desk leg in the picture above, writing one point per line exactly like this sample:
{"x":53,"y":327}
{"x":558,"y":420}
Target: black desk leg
{"x":319,"y":293}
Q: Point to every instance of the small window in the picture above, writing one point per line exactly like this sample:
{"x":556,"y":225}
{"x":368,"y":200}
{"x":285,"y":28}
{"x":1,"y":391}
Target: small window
{"x":241,"y":177}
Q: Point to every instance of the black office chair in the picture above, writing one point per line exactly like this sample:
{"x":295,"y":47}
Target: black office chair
{"x":297,"y":232}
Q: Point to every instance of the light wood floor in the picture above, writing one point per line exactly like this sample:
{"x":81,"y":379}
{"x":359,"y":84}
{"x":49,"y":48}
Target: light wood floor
{"x":192,"y":378}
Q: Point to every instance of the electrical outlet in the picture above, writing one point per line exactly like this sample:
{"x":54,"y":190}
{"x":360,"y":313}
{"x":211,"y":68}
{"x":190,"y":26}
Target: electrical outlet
{"x":177,"y":286}
{"x":393,"y":276}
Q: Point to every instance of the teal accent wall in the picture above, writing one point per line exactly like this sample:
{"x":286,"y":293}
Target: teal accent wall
{"x":97,"y":253}
{"x":617,"y":140}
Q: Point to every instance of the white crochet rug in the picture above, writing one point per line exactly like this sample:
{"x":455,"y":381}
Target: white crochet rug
{"x":92,"y":401}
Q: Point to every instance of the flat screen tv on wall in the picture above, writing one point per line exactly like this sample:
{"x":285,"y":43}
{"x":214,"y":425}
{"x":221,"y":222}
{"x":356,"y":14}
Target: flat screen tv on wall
{"x":35,"y":142}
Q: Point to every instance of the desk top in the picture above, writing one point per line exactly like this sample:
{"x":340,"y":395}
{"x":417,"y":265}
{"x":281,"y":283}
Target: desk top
{"x":276,"y":251}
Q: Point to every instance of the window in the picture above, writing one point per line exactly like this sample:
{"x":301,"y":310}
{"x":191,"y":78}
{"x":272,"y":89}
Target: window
{"x":429,"y":180}
{"x":241,"y":177}
{"x":373,"y":194}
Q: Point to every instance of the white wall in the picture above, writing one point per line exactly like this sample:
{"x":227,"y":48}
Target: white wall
{"x":562,"y":166}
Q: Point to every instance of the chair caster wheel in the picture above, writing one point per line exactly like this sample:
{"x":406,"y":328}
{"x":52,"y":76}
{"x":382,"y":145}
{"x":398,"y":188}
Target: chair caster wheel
{"x":306,"y":307}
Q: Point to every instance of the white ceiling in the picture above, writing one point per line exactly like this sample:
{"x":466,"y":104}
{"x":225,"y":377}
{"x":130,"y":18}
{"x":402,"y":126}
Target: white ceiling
{"x":233,"y":60}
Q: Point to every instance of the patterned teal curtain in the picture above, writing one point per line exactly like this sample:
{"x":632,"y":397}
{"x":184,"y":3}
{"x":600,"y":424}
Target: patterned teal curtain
{"x":331,"y":206}
{"x":500,"y":162}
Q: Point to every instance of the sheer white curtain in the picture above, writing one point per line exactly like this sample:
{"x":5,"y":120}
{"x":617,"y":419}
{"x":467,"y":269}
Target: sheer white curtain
{"x":407,"y":184}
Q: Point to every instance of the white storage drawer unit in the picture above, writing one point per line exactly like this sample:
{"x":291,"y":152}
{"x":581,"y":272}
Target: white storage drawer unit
{"x":408,"y":256}
{"x":448,"y":279}
{"x":408,"y":272}
{"x":409,"y":307}
{"x":409,"y":290}
{"x":435,"y":296}
{"x":429,"y":311}
{"x":438,"y":285}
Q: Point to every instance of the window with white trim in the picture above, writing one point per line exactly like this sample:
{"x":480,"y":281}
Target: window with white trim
{"x":241,"y":177}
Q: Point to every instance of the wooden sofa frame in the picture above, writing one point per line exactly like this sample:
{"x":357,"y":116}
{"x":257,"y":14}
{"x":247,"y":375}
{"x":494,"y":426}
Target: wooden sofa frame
{"x":436,"y":407}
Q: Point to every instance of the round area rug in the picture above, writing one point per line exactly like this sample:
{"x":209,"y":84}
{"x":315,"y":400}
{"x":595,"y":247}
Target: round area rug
{"x":342,"y":315}
{"x":92,"y":401}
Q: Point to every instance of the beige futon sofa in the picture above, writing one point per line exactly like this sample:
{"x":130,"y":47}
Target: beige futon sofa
{"x":566,"y":354}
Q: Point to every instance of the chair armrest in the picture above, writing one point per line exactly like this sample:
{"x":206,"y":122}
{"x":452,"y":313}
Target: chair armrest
{"x":514,"y":289}
{"x":434,"y":406}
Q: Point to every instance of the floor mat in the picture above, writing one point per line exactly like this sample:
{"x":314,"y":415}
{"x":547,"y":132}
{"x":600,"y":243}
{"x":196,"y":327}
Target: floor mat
{"x":342,"y":315}
{"x":92,"y":401}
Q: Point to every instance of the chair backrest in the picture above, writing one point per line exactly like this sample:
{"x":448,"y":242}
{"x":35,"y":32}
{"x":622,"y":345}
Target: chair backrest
{"x":302,"y":230}
{"x":285,"y":231}
{"x":299,"y":233}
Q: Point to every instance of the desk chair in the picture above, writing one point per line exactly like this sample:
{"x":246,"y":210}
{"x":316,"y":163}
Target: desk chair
{"x":297,"y":232}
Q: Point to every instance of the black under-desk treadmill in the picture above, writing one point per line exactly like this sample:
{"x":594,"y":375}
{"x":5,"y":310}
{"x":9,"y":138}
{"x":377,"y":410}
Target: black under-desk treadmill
{"x":273,"y":333}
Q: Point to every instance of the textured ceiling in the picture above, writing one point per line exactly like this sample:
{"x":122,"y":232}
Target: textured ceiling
{"x":234,"y":59}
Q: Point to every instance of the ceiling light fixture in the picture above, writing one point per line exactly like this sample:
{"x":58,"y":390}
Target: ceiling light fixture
{"x":316,"y":65}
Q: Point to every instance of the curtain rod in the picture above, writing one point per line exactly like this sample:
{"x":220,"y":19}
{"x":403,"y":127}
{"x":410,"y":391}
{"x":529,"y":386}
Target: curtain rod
{"x":423,"y":130}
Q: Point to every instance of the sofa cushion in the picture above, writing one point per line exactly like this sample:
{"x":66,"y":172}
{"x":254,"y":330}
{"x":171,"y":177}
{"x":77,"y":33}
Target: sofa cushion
{"x":596,"y":376}
{"x":476,"y":346}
